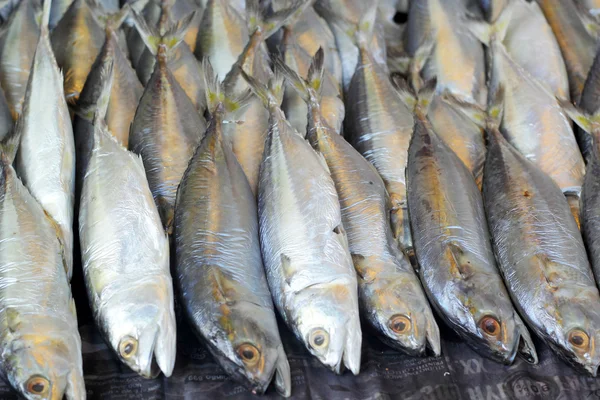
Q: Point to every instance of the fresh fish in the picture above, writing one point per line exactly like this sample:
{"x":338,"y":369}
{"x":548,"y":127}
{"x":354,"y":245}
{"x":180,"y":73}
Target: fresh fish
{"x":541,"y":254}
{"x":343,"y":17}
{"x":294,"y":107}
{"x":181,"y":61}
{"x":126,"y":91}
{"x":379,"y":125}
{"x":46,"y":158}
{"x":222,"y":36}
{"x":459,"y":125}
{"x":530,"y":42}
{"x":18,"y":41}
{"x":535,"y":124}
{"x":219,"y":266}
{"x":303,"y":243}
{"x":41,"y":356}
{"x":576,"y":43}
{"x":457,"y":57}
{"x":391,"y":297}
{"x":452,"y":244}
{"x":125,"y":258}
{"x":166,"y":130}
{"x":77,"y":40}
{"x":310,"y":32}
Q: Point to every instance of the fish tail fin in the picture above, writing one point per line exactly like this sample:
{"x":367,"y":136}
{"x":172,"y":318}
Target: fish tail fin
{"x":474,"y":112}
{"x":215,"y":94}
{"x":114,"y":21}
{"x":366,"y":26}
{"x":590,"y":123}
{"x":170,"y":39}
{"x":495,"y":109}
{"x":106,"y":77}
{"x":271,"y":95}
{"x":490,"y":33}
{"x":417,"y":63}
{"x":299,"y":84}
{"x":316,"y":71}
{"x":268,"y":26}
{"x":45,"y":22}
{"x":176,"y":33}
{"x":424,"y":97}
{"x":404,"y":91}
{"x":149,"y":34}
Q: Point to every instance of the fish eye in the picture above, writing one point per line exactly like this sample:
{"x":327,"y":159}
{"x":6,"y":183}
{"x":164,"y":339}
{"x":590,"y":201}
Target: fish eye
{"x":318,"y":339}
{"x":579,"y":339}
{"x":38,"y":386}
{"x":128,"y":347}
{"x":490,"y":326}
{"x":248,"y":353}
{"x":400,"y":324}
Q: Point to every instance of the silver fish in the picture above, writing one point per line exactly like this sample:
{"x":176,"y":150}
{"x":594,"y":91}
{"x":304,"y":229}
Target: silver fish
{"x":18,"y":42}
{"x":126,"y":91}
{"x":541,"y":254}
{"x":457,"y":265}
{"x":125,"y":258}
{"x":576,"y":43}
{"x":304,"y":246}
{"x":41,"y":356}
{"x":181,"y":62}
{"x":46,"y":158}
{"x":219,"y":266}
{"x":166,"y":130}
{"x":379,"y":125}
{"x":391,"y":297}
{"x":457,"y":58}
{"x":535,"y":124}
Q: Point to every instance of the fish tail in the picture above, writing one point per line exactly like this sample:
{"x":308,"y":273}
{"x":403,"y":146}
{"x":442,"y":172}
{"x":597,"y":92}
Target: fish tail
{"x":490,"y":33}
{"x":271,"y":95}
{"x":404,"y":91}
{"x":590,"y":123}
{"x":215,"y":94}
{"x":299,"y":84}
{"x":495,"y":109}
{"x":474,"y":112}
{"x":46,"y":6}
{"x":106,"y":77}
{"x":316,"y":70}
{"x":171,"y":38}
{"x":10,"y":143}
{"x":268,"y":26}
{"x":114,"y":21}
{"x":417,"y":63}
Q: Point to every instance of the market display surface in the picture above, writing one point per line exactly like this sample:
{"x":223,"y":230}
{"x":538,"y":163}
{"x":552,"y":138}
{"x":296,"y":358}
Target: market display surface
{"x":308,"y":199}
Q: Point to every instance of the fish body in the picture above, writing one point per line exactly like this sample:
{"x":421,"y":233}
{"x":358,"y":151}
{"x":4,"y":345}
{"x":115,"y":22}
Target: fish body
{"x":17,"y":48}
{"x":125,"y":258}
{"x":219,"y":266}
{"x":379,"y":125}
{"x":77,"y":40}
{"x":457,"y":57}
{"x":41,"y":356}
{"x":46,"y":157}
{"x":576,"y":43}
{"x":166,"y":130}
{"x":304,"y":246}
{"x":541,"y":255}
{"x":457,"y":266}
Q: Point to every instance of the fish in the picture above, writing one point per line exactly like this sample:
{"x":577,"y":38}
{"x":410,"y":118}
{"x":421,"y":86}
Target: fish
{"x":456,"y":58}
{"x":166,"y":130}
{"x":125,"y":257}
{"x":46,"y":158}
{"x":304,"y":246}
{"x":77,"y":40}
{"x":576,"y":43}
{"x":181,"y":61}
{"x":41,"y":356}
{"x":222,"y":35}
{"x":589,"y":102}
{"x":6,"y":121}
{"x":452,"y":244}
{"x":247,"y":138}
{"x":390,"y":293}
{"x":18,"y":41}
{"x":293,"y":106}
{"x":529,"y":40}
{"x":150,"y":12}
{"x":343,"y":17}
{"x":534,"y":122}
{"x":379,"y":125}
{"x":219,"y":268}
{"x":126,"y":91}
{"x":540,"y":252}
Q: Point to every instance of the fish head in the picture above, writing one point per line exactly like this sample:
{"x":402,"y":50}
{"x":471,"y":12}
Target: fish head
{"x":575,"y":334}
{"x":139,"y":323}
{"x":488,"y":321}
{"x":44,"y":362}
{"x":326,"y":321}
{"x":249,"y":348}
{"x":395,"y":305}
